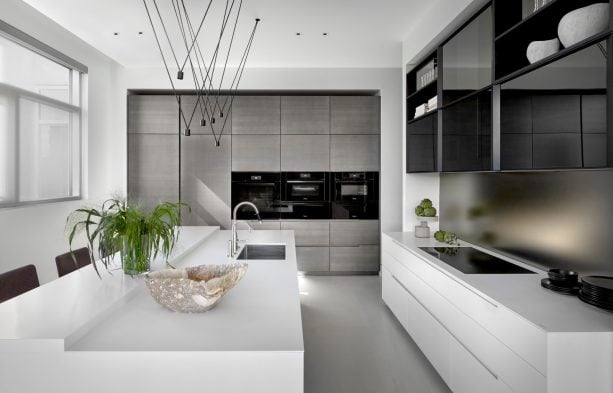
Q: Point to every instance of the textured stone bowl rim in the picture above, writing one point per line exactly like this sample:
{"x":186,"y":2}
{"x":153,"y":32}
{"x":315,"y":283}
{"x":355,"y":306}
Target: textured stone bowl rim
{"x":175,"y":289}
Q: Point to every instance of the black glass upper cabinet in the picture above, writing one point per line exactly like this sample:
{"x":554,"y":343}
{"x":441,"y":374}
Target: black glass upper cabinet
{"x":467,"y":58}
{"x":555,"y":117}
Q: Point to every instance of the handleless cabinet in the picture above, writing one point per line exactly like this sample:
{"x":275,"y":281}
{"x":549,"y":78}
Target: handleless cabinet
{"x":256,"y":115}
{"x":153,"y":114}
{"x":363,"y":258}
{"x":196,"y":109}
{"x":305,"y":153}
{"x":309,"y":233}
{"x":355,"y":115}
{"x":305,"y":115}
{"x":153,"y":169}
{"x":313,"y":259}
{"x":354,"y":153}
{"x":256,"y":153}
{"x":354,"y":232}
{"x":205,"y":180}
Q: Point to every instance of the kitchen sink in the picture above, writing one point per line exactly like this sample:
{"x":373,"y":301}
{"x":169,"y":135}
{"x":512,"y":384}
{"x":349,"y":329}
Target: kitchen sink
{"x":263,"y":251}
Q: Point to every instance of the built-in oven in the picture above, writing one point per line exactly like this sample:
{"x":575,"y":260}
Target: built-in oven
{"x":262,"y":189}
{"x":355,"y":195}
{"x":305,"y":186}
{"x":306,"y":194}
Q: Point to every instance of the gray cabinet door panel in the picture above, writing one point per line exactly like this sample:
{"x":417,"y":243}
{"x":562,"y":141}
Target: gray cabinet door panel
{"x":251,"y":153}
{"x":354,"y":232}
{"x":191,"y":106}
{"x":309,"y":233}
{"x":153,"y":114}
{"x":153,"y":169}
{"x":205,"y":180}
{"x":354,"y":259}
{"x":313,"y":259}
{"x":264,"y":225}
{"x":305,"y":153}
{"x":355,"y":115}
{"x":305,"y":115}
{"x":256,"y":115}
{"x":354,"y":153}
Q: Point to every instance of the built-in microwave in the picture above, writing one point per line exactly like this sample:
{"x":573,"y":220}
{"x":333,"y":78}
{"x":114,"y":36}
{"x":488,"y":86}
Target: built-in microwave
{"x":355,"y":195}
{"x":263,"y":189}
{"x":305,"y":186}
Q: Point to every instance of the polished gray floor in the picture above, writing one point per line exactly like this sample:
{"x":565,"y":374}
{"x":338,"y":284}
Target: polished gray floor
{"x":354,"y":344}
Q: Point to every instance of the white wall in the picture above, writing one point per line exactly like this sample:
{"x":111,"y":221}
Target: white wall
{"x":36,"y":234}
{"x":387,"y":80}
{"x":436,"y":23}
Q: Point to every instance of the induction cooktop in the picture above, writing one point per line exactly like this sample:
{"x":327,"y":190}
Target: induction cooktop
{"x":469,"y":260}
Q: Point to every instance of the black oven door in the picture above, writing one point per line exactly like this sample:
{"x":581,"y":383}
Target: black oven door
{"x":351,"y":211}
{"x":305,"y":186}
{"x":355,"y":187}
{"x":308,"y":210}
{"x":261,"y":189}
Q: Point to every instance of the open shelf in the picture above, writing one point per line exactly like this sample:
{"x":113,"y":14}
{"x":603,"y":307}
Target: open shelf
{"x":511,"y":44}
{"x":432,"y":112}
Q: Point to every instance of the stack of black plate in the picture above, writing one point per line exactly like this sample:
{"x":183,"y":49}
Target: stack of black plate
{"x":597,"y":291}
{"x":562,"y":281}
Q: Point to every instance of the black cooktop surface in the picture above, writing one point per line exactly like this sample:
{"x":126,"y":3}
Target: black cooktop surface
{"x":469,"y":260}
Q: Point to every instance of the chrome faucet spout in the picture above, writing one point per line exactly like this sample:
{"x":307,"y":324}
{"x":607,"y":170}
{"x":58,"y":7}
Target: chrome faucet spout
{"x":234,"y":241}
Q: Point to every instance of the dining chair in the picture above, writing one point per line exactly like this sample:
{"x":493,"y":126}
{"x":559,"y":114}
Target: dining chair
{"x":15,"y":282}
{"x":65,"y":263}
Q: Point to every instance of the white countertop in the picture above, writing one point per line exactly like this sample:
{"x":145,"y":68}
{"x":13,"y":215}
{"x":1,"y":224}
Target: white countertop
{"x":521,"y":293}
{"x":81,"y":312}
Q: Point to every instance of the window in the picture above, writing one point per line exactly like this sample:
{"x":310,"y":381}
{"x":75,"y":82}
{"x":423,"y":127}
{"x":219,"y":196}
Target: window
{"x":40,"y":122}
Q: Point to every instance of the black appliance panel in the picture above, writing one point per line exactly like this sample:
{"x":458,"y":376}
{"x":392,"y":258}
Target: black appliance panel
{"x":469,"y":260}
{"x":353,"y":211}
{"x":263,"y":189}
{"x":307,"y":210}
{"x":355,"y":187}
{"x":305,"y":186}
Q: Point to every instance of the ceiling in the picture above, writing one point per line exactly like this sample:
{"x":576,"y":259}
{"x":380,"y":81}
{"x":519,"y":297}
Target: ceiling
{"x":360,"y":33}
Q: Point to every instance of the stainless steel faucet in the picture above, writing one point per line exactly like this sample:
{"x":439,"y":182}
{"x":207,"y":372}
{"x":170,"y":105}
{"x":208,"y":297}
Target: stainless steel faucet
{"x":234,"y":241}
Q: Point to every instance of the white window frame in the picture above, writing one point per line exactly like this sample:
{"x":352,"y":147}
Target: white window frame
{"x":29,"y":43}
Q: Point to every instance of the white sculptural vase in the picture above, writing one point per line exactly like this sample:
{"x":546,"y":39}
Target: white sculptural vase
{"x":583,"y":23}
{"x":538,"y":50}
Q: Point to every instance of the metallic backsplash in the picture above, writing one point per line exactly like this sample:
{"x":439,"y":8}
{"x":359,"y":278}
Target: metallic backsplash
{"x":549,"y":219}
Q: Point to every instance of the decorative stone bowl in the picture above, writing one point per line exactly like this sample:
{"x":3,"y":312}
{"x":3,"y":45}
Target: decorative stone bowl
{"x":193,"y":289}
{"x":583,"y":23}
{"x":538,"y":50}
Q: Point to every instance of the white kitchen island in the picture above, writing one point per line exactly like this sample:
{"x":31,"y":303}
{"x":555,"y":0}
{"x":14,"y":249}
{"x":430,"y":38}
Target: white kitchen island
{"x":83,"y":334}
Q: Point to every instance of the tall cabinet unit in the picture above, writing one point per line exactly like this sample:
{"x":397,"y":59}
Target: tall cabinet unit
{"x":153,"y":150}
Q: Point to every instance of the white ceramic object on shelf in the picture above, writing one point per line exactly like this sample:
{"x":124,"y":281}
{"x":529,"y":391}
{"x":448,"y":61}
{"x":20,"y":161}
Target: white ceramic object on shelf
{"x":193,"y":289}
{"x":538,"y":50}
{"x":423,"y":230}
{"x":583,"y":23}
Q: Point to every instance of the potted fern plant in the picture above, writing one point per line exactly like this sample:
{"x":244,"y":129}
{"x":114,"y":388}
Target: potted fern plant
{"x":124,"y":229}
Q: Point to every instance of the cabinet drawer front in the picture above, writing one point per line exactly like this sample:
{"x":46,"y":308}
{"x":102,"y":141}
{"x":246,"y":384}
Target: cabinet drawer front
{"x":265,"y":225}
{"x":395,"y":297}
{"x":309,"y":233}
{"x":354,"y":232}
{"x":497,"y":358}
{"x":521,"y":336}
{"x":313,"y":259}
{"x":354,"y":259}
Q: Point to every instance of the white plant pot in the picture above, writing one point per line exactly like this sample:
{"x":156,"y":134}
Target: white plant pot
{"x":583,"y":23}
{"x":538,"y":50}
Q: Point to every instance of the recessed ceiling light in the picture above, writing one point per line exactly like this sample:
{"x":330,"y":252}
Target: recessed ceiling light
{"x":140,"y":32}
{"x":298,"y":33}
{"x":115,"y":33}
{"x":325,"y":33}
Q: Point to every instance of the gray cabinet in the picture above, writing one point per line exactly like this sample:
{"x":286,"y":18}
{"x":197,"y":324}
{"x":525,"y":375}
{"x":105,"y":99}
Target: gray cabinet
{"x":313,"y":259}
{"x":305,"y":153}
{"x":309,"y":233}
{"x":256,"y":115}
{"x":355,"y":115}
{"x":354,"y":232}
{"x":354,"y":153}
{"x":205,"y":180}
{"x":354,"y":259}
{"x":191,"y":106}
{"x":305,"y":115}
{"x":264,"y":225}
{"x":153,"y":169}
{"x":148,"y":114}
{"x":252,"y":153}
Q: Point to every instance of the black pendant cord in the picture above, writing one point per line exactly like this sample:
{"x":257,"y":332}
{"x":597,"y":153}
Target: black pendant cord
{"x":225,"y":66}
{"x":245,"y":57}
{"x":192,"y":68}
{"x":197,"y":33}
{"x":166,"y":33}
{"x":164,"y":60}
